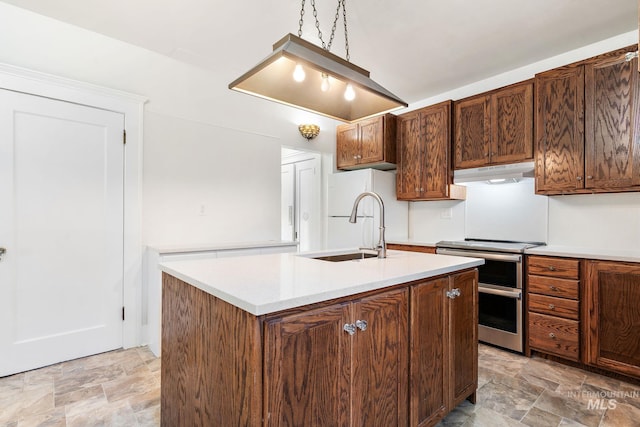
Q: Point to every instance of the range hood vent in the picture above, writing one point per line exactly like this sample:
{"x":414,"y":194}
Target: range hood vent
{"x":515,"y":171}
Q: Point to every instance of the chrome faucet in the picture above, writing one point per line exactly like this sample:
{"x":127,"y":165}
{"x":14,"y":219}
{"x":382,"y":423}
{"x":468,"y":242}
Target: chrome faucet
{"x":382,"y":244}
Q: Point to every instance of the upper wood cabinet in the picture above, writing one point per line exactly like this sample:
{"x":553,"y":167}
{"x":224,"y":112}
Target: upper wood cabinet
{"x":586,"y":131}
{"x":495,"y":127}
{"x":612,"y":146}
{"x":367,"y":143}
{"x":424,"y":165}
{"x":559,"y":130}
{"x":612,"y":316}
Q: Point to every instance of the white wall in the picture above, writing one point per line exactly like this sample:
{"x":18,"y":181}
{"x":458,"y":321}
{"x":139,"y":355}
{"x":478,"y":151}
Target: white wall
{"x":609,"y":220}
{"x":203,"y":144}
{"x":206,"y":145}
{"x":430,"y":222}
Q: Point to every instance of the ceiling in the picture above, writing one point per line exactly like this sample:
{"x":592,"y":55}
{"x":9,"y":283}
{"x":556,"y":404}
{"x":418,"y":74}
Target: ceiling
{"x":416,"y":49}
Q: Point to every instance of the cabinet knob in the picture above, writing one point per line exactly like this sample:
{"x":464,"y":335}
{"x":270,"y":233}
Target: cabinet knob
{"x":579,"y":178}
{"x":553,"y":288}
{"x":421,"y":189}
{"x":361,"y":324}
{"x":349,"y":328}
{"x":589,"y":177}
{"x":552,"y":307}
{"x":552,"y":335}
{"x":453,"y":293}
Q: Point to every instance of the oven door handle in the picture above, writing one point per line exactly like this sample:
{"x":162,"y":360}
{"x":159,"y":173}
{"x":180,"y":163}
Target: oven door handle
{"x":486,"y":255}
{"x":500,"y":292}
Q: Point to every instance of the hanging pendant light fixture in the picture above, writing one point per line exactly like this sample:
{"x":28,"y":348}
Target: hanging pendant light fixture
{"x":307,"y":76}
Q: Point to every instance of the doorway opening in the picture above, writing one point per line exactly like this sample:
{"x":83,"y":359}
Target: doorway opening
{"x":301,"y":192}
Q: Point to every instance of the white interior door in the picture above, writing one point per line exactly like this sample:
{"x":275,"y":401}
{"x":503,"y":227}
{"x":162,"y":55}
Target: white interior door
{"x":308,"y":204}
{"x":287,"y":203}
{"x":61,"y":222}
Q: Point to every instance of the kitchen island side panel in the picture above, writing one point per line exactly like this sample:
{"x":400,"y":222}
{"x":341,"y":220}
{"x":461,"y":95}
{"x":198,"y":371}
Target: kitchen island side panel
{"x":212,"y":363}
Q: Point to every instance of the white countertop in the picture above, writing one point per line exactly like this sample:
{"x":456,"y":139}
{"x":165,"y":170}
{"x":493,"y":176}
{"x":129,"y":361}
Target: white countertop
{"x":172,"y":249}
{"x":263,"y":284}
{"x":586,"y":253}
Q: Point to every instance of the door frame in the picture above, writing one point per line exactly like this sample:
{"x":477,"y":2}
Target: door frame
{"x":132,"y":107}
{"x":302,"y":155}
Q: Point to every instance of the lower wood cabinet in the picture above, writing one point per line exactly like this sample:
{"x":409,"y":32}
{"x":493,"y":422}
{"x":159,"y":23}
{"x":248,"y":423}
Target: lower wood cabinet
{"x":444,"y":350}
{"x":587,"y":311}
{"x":612,"y":320}
{"x":412,"y":248}
{"x":553,"y":306}
{"x":404,"y":356}
{"x":339,"y":366}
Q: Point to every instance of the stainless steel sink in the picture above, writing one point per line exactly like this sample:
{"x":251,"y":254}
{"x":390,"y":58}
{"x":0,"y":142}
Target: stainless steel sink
{"x":353,"y":256}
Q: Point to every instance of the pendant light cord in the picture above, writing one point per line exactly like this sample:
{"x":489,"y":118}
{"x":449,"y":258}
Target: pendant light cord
{"x":327,"y":47}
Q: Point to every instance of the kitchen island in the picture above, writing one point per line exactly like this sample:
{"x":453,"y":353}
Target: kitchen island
{"x":286,"y":339}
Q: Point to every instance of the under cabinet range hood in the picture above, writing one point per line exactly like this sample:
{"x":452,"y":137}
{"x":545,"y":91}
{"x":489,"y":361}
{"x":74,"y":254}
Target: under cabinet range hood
{"x":495,"y":174}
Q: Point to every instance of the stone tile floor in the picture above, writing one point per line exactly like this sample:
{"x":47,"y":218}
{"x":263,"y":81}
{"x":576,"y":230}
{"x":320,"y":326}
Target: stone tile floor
{"x":118,"y":388}
{"x":122,"y":388}
{"x":517,"y":391}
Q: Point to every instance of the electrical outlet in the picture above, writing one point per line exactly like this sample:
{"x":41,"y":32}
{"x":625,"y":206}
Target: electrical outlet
{"x":202,"y":211}
{"x":446,"y":213}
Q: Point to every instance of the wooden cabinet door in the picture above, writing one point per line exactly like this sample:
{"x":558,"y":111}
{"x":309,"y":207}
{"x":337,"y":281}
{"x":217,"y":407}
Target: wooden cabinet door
{"x":559,"y":124}
{"x":613,"y":316}
{"x":436,"y":140}
{"x":464,"y":336}
{"x":429,"y":360}
{"x":307,"y":362}
{"x":380,"y":360}
{"x":424,"y":139}
{"x":512,"y":124}
{"x":410,"y":156}
{"x":347,"y":146}
{"x":371,"y":134}
{"x":472,"y":132}
{"x":612,"y":145}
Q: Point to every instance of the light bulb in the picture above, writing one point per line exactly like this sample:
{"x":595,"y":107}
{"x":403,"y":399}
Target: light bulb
{"x":298,"y":73}
{"x":349,"y":93}
{"x":325,"y":83}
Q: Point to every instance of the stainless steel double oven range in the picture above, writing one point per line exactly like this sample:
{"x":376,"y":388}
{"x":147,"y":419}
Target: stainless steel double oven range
{"x":500,"y":288}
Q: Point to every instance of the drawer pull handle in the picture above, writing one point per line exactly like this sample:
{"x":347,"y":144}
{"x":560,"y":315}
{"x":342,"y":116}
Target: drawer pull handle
{"x":552,"y":307}
{"x":553,"y":288}
{"x":552,"y":335}
{"x":552,"y":268}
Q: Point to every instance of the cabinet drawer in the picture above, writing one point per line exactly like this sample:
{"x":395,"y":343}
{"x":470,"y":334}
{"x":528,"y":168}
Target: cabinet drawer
{"x":567,"y":308}
{"x":553,"y":287}
{"x":554,"y":335}
{"x":555,"y":267}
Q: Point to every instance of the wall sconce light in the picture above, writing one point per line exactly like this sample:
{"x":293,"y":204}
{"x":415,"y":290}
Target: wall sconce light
{"x":309,"y":131}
